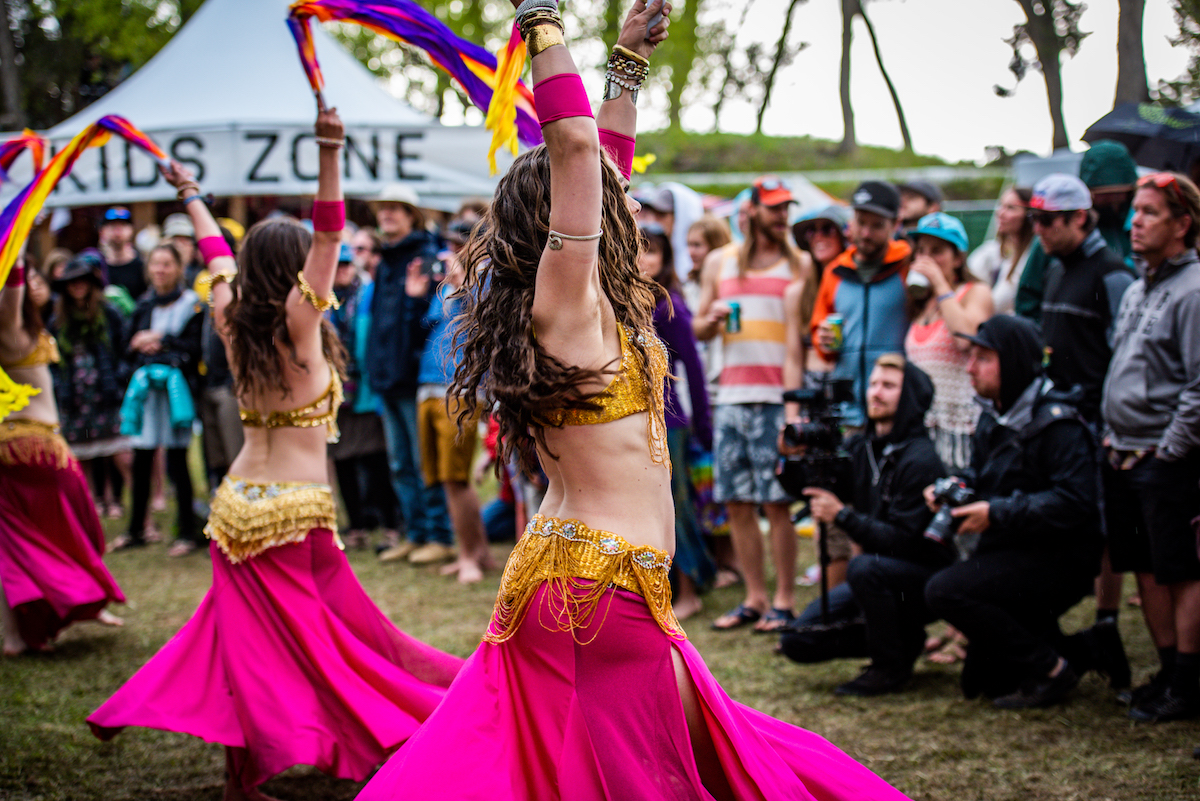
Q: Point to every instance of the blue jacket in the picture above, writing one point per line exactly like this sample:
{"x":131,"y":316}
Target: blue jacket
{"x":874,"y":316}
{"x":156,"y":376}
{"x":440,"y":356}
{"x":396,"y":334}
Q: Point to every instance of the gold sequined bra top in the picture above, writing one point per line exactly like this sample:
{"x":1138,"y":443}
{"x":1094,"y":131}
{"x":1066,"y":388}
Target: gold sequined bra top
{"x":45,"y":351}
{"x":579,"y":564}
{"x":308,"y":416}
{"x":627,"y":394}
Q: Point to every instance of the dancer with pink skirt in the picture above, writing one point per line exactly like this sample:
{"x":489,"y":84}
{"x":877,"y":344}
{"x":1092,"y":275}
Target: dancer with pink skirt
{"x":585,"y":686}
{"x":51,"y":542}
{"x":287,"y":661}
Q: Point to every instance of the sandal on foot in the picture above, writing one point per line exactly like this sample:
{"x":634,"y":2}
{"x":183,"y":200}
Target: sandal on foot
{"x":123,"y":541}
{"x":741,"y":616}
{"x":775,"y":621}
{"x":181,"y":548}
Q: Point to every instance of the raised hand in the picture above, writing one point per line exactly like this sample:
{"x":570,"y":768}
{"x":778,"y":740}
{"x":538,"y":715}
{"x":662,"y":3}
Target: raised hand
{"x":176,"y":174}
{"x":329,"y":124}
{"x":633,"y":33}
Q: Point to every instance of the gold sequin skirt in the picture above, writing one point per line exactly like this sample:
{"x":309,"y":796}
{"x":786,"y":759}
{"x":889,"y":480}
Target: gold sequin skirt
{"x":248,"y":517}
{"x":32,"y":442}
{"x":581,"y":564}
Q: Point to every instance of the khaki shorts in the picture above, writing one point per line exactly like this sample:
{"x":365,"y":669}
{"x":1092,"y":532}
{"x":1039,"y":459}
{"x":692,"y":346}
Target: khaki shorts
{"x":445,"y":454}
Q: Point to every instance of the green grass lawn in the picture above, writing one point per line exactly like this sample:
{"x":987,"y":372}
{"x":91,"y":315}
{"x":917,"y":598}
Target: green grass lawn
{"x":929,"y":742}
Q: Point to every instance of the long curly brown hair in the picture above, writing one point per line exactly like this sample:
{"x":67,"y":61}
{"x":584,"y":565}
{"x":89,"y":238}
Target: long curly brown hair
{"x":271,"y":255}
{"x":503,"y":367}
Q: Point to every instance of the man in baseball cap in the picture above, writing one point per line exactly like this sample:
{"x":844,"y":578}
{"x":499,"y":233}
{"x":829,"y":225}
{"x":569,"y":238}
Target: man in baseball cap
{"x":917,"y":198}
{"x":1084,"y":285}
{"x":124,"y":265}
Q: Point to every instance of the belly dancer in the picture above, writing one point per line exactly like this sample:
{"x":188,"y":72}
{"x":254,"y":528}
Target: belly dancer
{"x":586,"y":686}
{"x":286,"y":661}
{"x":51,"y":541}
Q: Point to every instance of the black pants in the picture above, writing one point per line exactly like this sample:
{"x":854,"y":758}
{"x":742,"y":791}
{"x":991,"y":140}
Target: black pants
{"x":366,"y":489}
{"x":177,"y":472}
{"x":1008,"y":604}
{"x":891,"y":594}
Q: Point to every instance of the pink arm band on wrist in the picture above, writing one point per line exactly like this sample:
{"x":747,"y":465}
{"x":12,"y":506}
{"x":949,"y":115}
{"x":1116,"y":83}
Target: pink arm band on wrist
{"x":16,"y":276}
{"x":561,"y":96}
{"x":328,"y":215}
{"x":620,"y":149}
{"x":213,"y":246}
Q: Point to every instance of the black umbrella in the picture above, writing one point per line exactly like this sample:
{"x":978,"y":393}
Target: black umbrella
{"x":1157,"y":137}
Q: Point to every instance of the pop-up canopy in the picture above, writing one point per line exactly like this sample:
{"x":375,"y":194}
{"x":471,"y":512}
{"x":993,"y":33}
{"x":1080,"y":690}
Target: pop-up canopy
{"x":228,"y":98}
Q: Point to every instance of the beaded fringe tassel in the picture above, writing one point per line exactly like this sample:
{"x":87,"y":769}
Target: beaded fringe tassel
{"x":579,"y":564}
{"x":30,"y":442}
{"x":248,"y":518}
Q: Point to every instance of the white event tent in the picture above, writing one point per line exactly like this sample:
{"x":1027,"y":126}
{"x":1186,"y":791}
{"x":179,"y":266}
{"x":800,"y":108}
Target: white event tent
{"x":228,"y":98}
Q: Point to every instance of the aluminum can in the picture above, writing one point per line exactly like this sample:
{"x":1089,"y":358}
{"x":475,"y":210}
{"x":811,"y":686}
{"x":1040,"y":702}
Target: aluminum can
{"x":835,"y":324}
{"x":733,"y":323}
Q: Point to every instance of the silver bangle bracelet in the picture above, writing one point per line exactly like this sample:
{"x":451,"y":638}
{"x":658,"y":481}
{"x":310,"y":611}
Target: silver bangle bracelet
{"x":555,"y":240}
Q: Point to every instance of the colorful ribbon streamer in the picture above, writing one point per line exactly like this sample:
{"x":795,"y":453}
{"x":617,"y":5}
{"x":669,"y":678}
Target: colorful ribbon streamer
{"x":16,"y":221}
{"x":14,"y":147}
{"x":491,"y":83}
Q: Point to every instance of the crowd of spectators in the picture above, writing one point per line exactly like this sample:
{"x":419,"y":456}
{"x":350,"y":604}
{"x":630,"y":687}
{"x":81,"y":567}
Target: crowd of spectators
{"x":1022,"y":420}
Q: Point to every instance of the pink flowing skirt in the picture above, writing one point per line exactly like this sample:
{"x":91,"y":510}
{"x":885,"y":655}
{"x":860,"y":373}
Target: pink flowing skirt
{"x":51,"y":550}
{"x":287,"y":658}
{"x":542,"y":717}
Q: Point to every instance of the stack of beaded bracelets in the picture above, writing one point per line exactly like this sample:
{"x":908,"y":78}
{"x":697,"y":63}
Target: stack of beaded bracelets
{"x":626,"y":69}
{"x":540,"y":25}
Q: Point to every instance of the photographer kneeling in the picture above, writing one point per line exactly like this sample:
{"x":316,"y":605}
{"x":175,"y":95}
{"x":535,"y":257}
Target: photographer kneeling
{"x":1033,"y":467}
{"x":886,"y":468}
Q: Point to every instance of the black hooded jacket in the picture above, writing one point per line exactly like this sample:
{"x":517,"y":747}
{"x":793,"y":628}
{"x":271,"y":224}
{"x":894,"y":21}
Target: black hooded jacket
{"x":1034,"y":459}
{"x":887,"y":513}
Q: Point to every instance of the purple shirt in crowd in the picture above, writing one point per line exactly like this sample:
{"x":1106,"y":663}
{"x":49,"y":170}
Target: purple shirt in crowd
{"x":676,"y":334}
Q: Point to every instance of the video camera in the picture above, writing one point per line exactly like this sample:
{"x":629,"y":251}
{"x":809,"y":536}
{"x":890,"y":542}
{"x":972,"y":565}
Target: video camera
{"x":820,"y":434}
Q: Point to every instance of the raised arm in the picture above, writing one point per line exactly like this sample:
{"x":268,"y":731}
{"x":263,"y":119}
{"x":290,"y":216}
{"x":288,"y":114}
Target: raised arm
{"x":214,"y":250}
{"x":627,"y":66}
{"x":314,"y":291}
{"x":12,"y":297}
{"x":568,"y":280}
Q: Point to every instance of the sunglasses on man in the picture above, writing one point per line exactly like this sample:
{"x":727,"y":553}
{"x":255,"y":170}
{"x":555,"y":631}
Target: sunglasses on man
{"x":1045,"y":218}
{"x":1164,"y":181}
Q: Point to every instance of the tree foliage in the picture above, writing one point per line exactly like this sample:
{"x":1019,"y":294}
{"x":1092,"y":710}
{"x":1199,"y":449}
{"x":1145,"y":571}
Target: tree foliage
{"x":1051,"y":27}
{"x":1186,"y":88}
{"x":66,"y":53}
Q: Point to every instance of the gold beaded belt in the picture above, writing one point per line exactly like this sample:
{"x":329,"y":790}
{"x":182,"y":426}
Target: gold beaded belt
{"x":32,"y":442}
{"x":248,"y":517}
{"x":580,"y":564}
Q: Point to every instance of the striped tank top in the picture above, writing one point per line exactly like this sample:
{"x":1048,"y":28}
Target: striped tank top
{"x":754,"y":356}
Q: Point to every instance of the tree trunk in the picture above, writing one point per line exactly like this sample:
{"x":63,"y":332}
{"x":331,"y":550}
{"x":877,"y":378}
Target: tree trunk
{"x":681,"y":55}
{"x":1131,"y":61}
{"x":849,"y":136}
{"x":780,"y":51}
{"x":1048,"y":48}
{"x":13,"y":117}
{"x":904,"y":134}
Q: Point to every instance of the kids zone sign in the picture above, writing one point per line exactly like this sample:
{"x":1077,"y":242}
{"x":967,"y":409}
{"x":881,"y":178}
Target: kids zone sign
{"x":273,"y":161}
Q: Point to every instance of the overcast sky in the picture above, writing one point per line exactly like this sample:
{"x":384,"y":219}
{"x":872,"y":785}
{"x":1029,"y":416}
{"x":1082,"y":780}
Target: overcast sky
{"x":944,"y":56}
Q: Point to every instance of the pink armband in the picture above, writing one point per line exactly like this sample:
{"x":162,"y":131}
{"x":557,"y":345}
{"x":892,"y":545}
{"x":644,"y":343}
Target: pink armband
{"x":620,"y":149}
{"x":328,"y":215}
{"x":213,"y":246}
{"x":561,"y":96}
{"x":16,"y":276}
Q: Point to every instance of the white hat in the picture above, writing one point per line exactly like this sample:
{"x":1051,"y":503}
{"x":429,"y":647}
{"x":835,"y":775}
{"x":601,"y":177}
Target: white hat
{"x":1060,"y":192}
{"x":178,"y":225}
{"x":398,"y":193}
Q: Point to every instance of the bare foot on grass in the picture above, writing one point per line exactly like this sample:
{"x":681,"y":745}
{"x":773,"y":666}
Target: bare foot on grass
{"x":468,"y":570}
{"x":107,"y":618}
{"x":686,"y":607}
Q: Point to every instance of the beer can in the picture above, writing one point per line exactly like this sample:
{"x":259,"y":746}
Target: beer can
{"x":835,"y":324}
{"x":733,"y":323}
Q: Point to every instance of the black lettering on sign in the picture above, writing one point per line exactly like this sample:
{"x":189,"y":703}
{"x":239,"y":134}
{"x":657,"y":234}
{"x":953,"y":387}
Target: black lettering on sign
{"x":270,"y":139}
{"x":129,"y":179}
{"x":401,"y":157}
{"x":296,"y":157}
{"x":82,"y":187}
{"x":103,"y":167}
{"x":371,"y":165}
{"x":193,"y":161}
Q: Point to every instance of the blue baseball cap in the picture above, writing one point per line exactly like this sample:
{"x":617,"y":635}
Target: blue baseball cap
{"x":944,"y":227}
{"x":118,"y":214}
{"x":345,"y":254}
